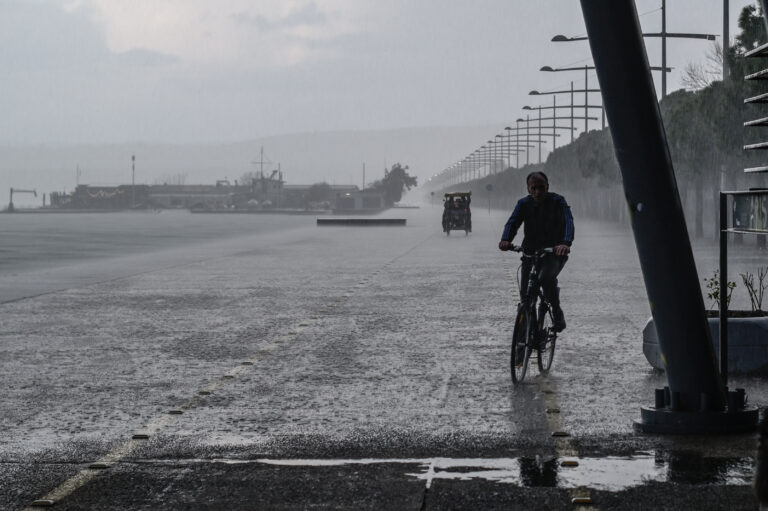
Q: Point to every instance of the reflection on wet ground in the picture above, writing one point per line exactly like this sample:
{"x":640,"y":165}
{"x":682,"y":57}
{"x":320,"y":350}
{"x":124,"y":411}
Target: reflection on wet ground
{"x":609,"y":473}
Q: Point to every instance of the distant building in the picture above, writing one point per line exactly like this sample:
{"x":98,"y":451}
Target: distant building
{"x":268,"y":191}
{"x":219,"y":196}
{"x":262,"y":193}
{"x":295,"y":196}
{"x":368,"y":200}
{"x":102,"y":197}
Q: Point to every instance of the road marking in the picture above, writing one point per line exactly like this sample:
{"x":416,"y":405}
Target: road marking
{"x":85,"y":475}
{"x":561,"y":438}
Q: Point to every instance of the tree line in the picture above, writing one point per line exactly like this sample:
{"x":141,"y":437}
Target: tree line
{"x":705,"y":133}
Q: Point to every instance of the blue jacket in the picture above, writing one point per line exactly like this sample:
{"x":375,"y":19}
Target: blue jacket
{"x":547,"y":223}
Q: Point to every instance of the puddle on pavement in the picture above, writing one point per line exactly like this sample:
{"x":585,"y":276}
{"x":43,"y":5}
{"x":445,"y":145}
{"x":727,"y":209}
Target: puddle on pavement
{"x":610,"y":473}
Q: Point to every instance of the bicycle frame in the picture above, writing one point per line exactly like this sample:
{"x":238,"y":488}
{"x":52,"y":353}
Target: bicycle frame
{"x":535,"y":308}
{"x":534,"y":293}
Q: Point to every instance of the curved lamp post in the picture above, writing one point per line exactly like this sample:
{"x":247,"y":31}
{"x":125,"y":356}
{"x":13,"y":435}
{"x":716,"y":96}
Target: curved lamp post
{"x":500,"y":152}
{"x":517,"y":148}
{"x":508,"y":129}
{"x":586,"y":105}
{"x":555,"y":118}
{"x":527,"y":141}
{"x":663,"y":35}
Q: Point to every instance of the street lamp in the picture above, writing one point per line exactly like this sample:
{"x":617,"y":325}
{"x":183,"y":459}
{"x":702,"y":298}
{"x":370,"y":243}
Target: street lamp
{"x":527,"y":137}
{"x":491,"y":151}
{"x":726,"y":36}
{"x":500,"y":151}
{"x":486,"y":156}
{"x":508,"y":129}
{"x":586,"y":69}
{"x":586,"y":91}
{"x":528,"y":140}
{"x":664,"y":35}
{"x":554,"y":117}
{"x":481,"y":157}
{"x":491,"y":156}
{"x":559,"y":38}
{"x":586,"y":86}
{"x":133,"y":181}
{"x":517,"y":147}
{"x":586,"y":105}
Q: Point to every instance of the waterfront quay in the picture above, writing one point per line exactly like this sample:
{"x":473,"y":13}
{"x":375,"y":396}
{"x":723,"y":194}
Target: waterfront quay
{"x":178,"y":361}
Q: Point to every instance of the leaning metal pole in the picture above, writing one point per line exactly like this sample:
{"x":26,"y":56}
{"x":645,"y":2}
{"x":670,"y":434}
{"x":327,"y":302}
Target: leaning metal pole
{"x":695,"y":400}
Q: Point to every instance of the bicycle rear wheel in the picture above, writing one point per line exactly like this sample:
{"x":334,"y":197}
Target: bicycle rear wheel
{"x":546,"y":339}
{"x":521,"y":349}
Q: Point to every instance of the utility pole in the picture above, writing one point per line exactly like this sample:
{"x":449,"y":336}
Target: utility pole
{"x":261,"y":162}
{"x":726,"y":41}
{"x":554,"y":120}
{"x":585,"y":108}
{"x":664,"y":48}
{"x":586,"y":99}
{"x":665,"y":35}
{"x":133,"y":181}
{"x":528,"y":137}
{"x":540,"y":135}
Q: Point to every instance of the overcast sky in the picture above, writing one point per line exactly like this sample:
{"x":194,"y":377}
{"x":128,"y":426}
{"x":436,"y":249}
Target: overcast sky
{"x":325,"y":86}
{"x":203,"y":71}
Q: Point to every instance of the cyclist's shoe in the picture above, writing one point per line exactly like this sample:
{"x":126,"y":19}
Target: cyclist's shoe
{"x":558,"y":319}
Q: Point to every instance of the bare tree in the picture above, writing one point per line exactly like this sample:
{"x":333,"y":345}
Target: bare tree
{"x":697,"y":75}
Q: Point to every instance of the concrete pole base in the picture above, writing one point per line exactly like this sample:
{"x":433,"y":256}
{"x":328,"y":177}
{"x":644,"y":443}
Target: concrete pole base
{"x":669,"y":422}
{"x":667,"y":418}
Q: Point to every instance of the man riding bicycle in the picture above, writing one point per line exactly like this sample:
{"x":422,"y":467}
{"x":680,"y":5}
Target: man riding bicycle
{"x":548,"y":223}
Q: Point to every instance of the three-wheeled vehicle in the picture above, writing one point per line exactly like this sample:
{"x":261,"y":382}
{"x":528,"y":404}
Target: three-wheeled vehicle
{"x":456,"y":213}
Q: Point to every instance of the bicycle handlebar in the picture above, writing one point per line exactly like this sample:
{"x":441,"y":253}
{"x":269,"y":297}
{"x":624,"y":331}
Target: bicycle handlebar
{"x":538,"y":253}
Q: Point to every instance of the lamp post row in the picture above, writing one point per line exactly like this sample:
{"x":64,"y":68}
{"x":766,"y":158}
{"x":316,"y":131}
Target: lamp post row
{"x":463,"y":167}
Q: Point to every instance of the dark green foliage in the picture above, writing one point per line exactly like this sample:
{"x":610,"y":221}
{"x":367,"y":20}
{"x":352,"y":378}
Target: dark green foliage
{"x":752,"y":29}
{"x":705,"y":134}
{"x":395,"y":182}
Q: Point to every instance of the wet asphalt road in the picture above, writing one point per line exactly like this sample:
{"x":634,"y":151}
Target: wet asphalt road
{"x":285,"y":365}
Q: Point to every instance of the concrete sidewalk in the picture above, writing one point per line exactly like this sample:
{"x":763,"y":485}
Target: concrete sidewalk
{"x":342,"y":343}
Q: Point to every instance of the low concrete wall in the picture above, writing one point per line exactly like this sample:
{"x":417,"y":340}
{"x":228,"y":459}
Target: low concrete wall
{"x":361,"y":221}
{"x":747,"y":344}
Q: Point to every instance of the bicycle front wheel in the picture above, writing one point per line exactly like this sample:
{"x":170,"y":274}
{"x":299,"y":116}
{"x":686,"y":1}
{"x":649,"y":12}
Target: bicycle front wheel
{"x":521,"y":349}
{"x":546,"y":337}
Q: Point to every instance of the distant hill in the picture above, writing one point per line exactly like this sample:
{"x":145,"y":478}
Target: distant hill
{"x":304,"y":158}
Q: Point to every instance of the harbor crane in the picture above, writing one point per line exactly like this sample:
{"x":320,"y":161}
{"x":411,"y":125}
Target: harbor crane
{"x":10,"y":203}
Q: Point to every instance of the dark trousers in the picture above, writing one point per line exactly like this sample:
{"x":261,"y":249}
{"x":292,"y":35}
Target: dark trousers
{"x":550,"y":268}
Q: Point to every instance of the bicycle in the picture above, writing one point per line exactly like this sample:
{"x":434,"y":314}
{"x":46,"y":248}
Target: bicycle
{"x":533,"y":325}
